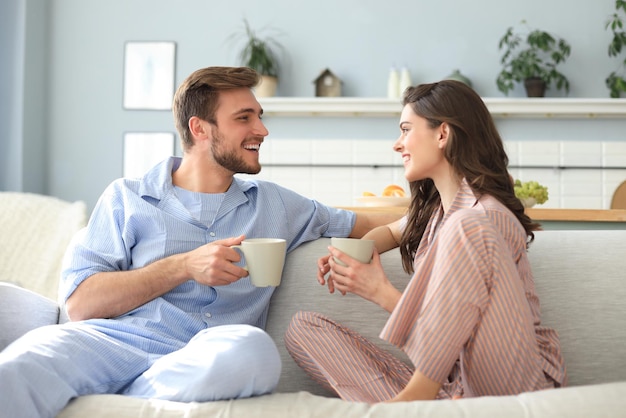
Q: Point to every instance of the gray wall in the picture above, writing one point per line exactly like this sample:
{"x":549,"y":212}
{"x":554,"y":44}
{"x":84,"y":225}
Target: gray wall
{"x":62,"y":122}
{"x":11,"y":80}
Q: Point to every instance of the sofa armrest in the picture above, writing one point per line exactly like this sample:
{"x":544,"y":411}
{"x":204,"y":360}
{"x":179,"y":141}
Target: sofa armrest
{"x":22,"y":310}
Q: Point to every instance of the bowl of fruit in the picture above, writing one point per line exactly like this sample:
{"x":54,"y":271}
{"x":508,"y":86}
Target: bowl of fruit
{"x":530,"y":193}
{"x":392,"y":195}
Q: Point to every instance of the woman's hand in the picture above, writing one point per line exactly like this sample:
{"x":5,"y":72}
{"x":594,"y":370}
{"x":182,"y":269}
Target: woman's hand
{"x":322,"y":269}
{"x":367,"y":280}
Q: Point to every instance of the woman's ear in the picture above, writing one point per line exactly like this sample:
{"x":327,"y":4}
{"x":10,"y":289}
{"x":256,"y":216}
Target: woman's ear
{"x":444,"y":134}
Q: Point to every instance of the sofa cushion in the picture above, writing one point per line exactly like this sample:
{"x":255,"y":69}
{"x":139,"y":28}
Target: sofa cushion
{"x":606,"y":400}
{"x":22,"y":310}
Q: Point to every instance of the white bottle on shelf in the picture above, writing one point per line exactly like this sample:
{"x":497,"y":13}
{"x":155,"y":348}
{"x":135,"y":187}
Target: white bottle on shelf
{"x":393,"y":84}
{"x":405,"y":80}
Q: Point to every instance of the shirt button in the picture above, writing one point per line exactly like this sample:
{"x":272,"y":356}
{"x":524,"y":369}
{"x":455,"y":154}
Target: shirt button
{"x":208,"y":314}
{"x":212,"y":234}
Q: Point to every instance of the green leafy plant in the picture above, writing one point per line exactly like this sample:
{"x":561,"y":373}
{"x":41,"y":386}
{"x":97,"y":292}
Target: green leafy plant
{"x":530,"y":190}
{"x":616,"y":81}
{"x":260,"y":54}
{"x":532,"y":55}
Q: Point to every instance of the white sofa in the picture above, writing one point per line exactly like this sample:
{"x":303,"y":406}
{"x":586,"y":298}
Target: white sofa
{"x":581,"y":281}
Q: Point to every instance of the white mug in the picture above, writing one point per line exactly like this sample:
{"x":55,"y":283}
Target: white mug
{"x":360,"y":249}
{"x":265,"y":259}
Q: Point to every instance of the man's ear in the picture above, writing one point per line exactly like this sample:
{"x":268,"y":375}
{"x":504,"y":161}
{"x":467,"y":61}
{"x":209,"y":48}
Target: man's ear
{"x":444,"y":134}
{"x":199,"y":128}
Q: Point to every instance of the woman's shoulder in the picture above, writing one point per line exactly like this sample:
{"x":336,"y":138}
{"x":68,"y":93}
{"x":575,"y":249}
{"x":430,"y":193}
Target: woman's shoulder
{"x":491,"y":210}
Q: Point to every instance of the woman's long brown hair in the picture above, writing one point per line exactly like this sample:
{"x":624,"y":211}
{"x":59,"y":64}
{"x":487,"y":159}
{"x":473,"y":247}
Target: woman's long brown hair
{"x":474,"y":150}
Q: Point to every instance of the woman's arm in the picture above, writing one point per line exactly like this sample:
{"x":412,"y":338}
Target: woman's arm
{"x":387,"y":236}
{"x":368,"y":221}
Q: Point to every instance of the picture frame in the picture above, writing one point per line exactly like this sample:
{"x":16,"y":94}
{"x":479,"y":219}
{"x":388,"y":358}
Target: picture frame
{"x":149,"y":75}
{"x":143,"y":150}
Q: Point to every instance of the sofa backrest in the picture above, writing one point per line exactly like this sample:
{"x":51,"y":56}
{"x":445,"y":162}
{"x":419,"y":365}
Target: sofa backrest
{"x":581,"y":283}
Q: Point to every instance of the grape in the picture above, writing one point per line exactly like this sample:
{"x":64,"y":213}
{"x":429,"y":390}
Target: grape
{"x":531,"y":189}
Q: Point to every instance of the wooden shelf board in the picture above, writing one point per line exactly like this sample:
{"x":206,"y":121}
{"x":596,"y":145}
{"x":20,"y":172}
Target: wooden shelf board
{"x":537,"y":214}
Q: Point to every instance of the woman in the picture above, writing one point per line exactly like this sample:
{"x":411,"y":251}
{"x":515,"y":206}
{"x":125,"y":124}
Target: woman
{"x":469,"y":318}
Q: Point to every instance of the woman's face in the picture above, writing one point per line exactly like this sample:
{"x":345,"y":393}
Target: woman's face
{"x":421,"y":146}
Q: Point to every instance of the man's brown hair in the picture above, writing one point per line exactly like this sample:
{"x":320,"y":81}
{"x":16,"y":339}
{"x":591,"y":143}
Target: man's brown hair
{"x":198,"y":95}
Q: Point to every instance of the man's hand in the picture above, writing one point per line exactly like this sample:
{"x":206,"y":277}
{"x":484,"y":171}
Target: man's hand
{"x":212,"y":264}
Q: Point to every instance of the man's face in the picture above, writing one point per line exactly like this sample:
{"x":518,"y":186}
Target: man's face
{"x":239,"y":133}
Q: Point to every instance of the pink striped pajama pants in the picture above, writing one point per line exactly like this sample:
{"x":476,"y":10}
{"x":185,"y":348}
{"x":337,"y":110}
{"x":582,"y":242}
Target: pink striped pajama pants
{"x":345,"y":362}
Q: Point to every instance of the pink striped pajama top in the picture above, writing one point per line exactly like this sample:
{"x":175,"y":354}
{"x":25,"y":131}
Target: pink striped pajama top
{"x":470,"y":317}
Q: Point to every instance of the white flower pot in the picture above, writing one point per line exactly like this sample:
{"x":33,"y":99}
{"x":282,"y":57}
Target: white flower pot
{"x":528,"y":202}
{"x":266,"y":87}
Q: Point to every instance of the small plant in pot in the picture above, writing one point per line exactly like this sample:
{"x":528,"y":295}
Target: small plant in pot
{"x":532,"y":59}
{"x":616,"y":81}
{"x":260,"y":54}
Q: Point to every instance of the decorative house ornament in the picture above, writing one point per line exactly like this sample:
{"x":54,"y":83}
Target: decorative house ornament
{"x":327,"y":84}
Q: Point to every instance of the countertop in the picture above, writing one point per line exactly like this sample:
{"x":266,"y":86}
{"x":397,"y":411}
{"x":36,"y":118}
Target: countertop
{"x":537,"y":214}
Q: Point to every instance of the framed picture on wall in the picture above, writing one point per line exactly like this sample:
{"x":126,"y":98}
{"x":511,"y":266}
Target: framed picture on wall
{"x":143,"y":150}
{"x":149,"y":72}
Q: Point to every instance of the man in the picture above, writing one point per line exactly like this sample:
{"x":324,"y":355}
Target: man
{"x":159,"y":304}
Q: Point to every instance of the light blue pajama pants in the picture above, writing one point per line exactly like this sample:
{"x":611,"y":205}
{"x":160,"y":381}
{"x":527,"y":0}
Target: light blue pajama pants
{"x":46,"y":368}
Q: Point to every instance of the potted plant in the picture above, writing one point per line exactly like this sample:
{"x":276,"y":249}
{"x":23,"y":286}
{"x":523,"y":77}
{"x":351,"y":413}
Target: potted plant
{"x":532,"y":60}
{"x":260,"y":54}
{"x":616,"y":81}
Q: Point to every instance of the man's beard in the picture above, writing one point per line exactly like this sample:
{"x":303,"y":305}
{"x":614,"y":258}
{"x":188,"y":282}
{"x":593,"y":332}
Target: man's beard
{"x":230,"y":159}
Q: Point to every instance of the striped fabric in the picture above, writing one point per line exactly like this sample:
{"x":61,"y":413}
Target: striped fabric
{"x":178,"y":346}
{"x":343,"y":361}
{"x":469,"y":318}
{"x":138,"y":221}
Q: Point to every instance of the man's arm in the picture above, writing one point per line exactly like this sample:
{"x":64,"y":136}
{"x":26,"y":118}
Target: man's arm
{"x":110,"y":294}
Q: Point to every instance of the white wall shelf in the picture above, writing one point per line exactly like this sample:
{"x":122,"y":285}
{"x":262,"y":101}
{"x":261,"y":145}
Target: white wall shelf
{"x":499,"y":107}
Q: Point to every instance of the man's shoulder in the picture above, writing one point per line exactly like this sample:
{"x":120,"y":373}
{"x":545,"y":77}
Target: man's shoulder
{"x":123,"y":185}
